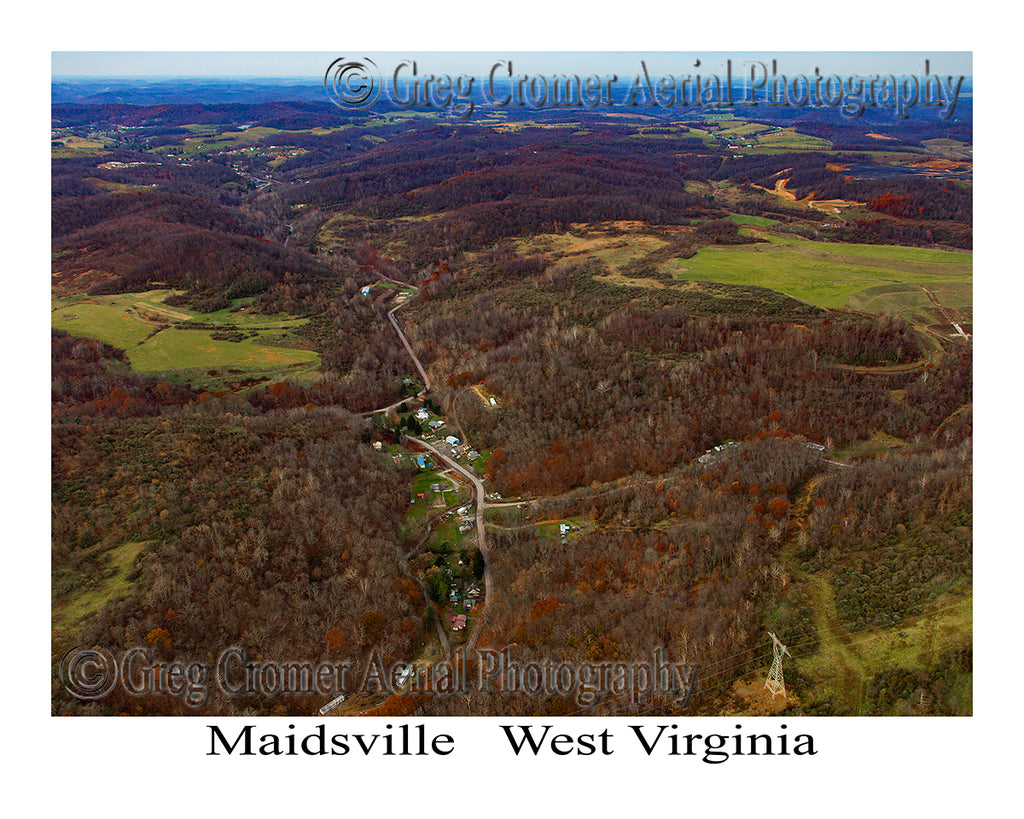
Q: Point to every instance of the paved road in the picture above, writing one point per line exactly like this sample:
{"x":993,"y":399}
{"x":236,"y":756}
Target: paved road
{"x":481,"y":504}
{"x":473,"y":480}
{"x":408,"y":347}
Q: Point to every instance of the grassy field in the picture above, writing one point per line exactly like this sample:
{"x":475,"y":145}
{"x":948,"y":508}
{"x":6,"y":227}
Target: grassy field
{"x":759,"y":221}
{"x":163,"y":339}
{"x":785,"y":139}
{"x":115,"y":187}
{"x":90,"y":597}
{"x":758,"y":138}
{"x":208,"y":139}
{"x":744,"y":129}
{"x":912,"y":302}
{"x":67,"y":145}
{"x":835,"y":275}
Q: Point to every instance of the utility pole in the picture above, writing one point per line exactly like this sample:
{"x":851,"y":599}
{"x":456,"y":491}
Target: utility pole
{"x":775,"y":683}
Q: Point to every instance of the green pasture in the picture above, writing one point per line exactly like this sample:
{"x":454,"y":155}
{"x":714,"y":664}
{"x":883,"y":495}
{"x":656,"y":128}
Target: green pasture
{"x":760,"y":221}
{"x":185,"y":349}
{"x":836,"y":275}
{"x":160,"y":338}
{"x":910,"y":301}
{"x":208,"y":139}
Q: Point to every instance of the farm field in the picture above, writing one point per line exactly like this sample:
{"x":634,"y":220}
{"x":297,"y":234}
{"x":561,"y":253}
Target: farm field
{"x":209,"y":138}
{"x":762,"y":138}
{"x":874,"y":278}
{"x":781,"y":140}
{"x":180,"y":342}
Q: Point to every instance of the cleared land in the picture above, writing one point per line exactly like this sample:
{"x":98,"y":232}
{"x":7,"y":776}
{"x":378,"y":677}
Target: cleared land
{"x":875,"y":278}
{"x":64,"y":145}
{"x":845,"y":661}
{"x":181,"y":343}
{"x":616,"y":244}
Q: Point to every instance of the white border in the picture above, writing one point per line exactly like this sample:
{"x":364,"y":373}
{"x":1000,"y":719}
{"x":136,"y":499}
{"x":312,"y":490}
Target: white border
{"x":109,"y":767}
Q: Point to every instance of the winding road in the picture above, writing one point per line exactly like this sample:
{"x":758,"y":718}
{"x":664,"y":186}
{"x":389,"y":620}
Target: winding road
{"x":477,"y":486}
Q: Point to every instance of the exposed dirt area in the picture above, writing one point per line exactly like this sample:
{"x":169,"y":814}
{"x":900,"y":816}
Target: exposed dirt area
{"x":749,"y":698}
{"x":827,"y":205}
{"x":68,"y":281}
{"x":147,"y":310}
{"x":941,"y":165}
{"x":485,"y":396}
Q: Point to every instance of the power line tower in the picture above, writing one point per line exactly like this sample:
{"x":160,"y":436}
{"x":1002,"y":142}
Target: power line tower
{"x":775,"y":683}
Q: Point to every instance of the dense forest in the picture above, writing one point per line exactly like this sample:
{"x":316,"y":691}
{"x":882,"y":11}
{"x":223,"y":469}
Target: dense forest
{"x":646,"y":387}
{"x":274,"y":531}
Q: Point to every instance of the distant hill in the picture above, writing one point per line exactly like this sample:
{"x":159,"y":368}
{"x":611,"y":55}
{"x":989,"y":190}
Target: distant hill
{"x":157,"y":91}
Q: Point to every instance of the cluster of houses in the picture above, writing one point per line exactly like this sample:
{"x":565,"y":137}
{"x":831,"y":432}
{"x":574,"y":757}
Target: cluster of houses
{"x":472,"y":597}
{"x":710,"y":455}
{"x":458,"y":449}
{"x":423,"y":461}
{"x":116,"y":164}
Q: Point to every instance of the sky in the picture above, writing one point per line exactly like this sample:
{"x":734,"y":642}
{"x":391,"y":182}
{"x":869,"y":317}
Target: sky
{"x":313,"y":64}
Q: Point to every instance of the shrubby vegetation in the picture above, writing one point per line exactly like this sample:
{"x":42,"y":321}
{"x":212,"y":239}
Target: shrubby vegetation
{"x":893,"y":532}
